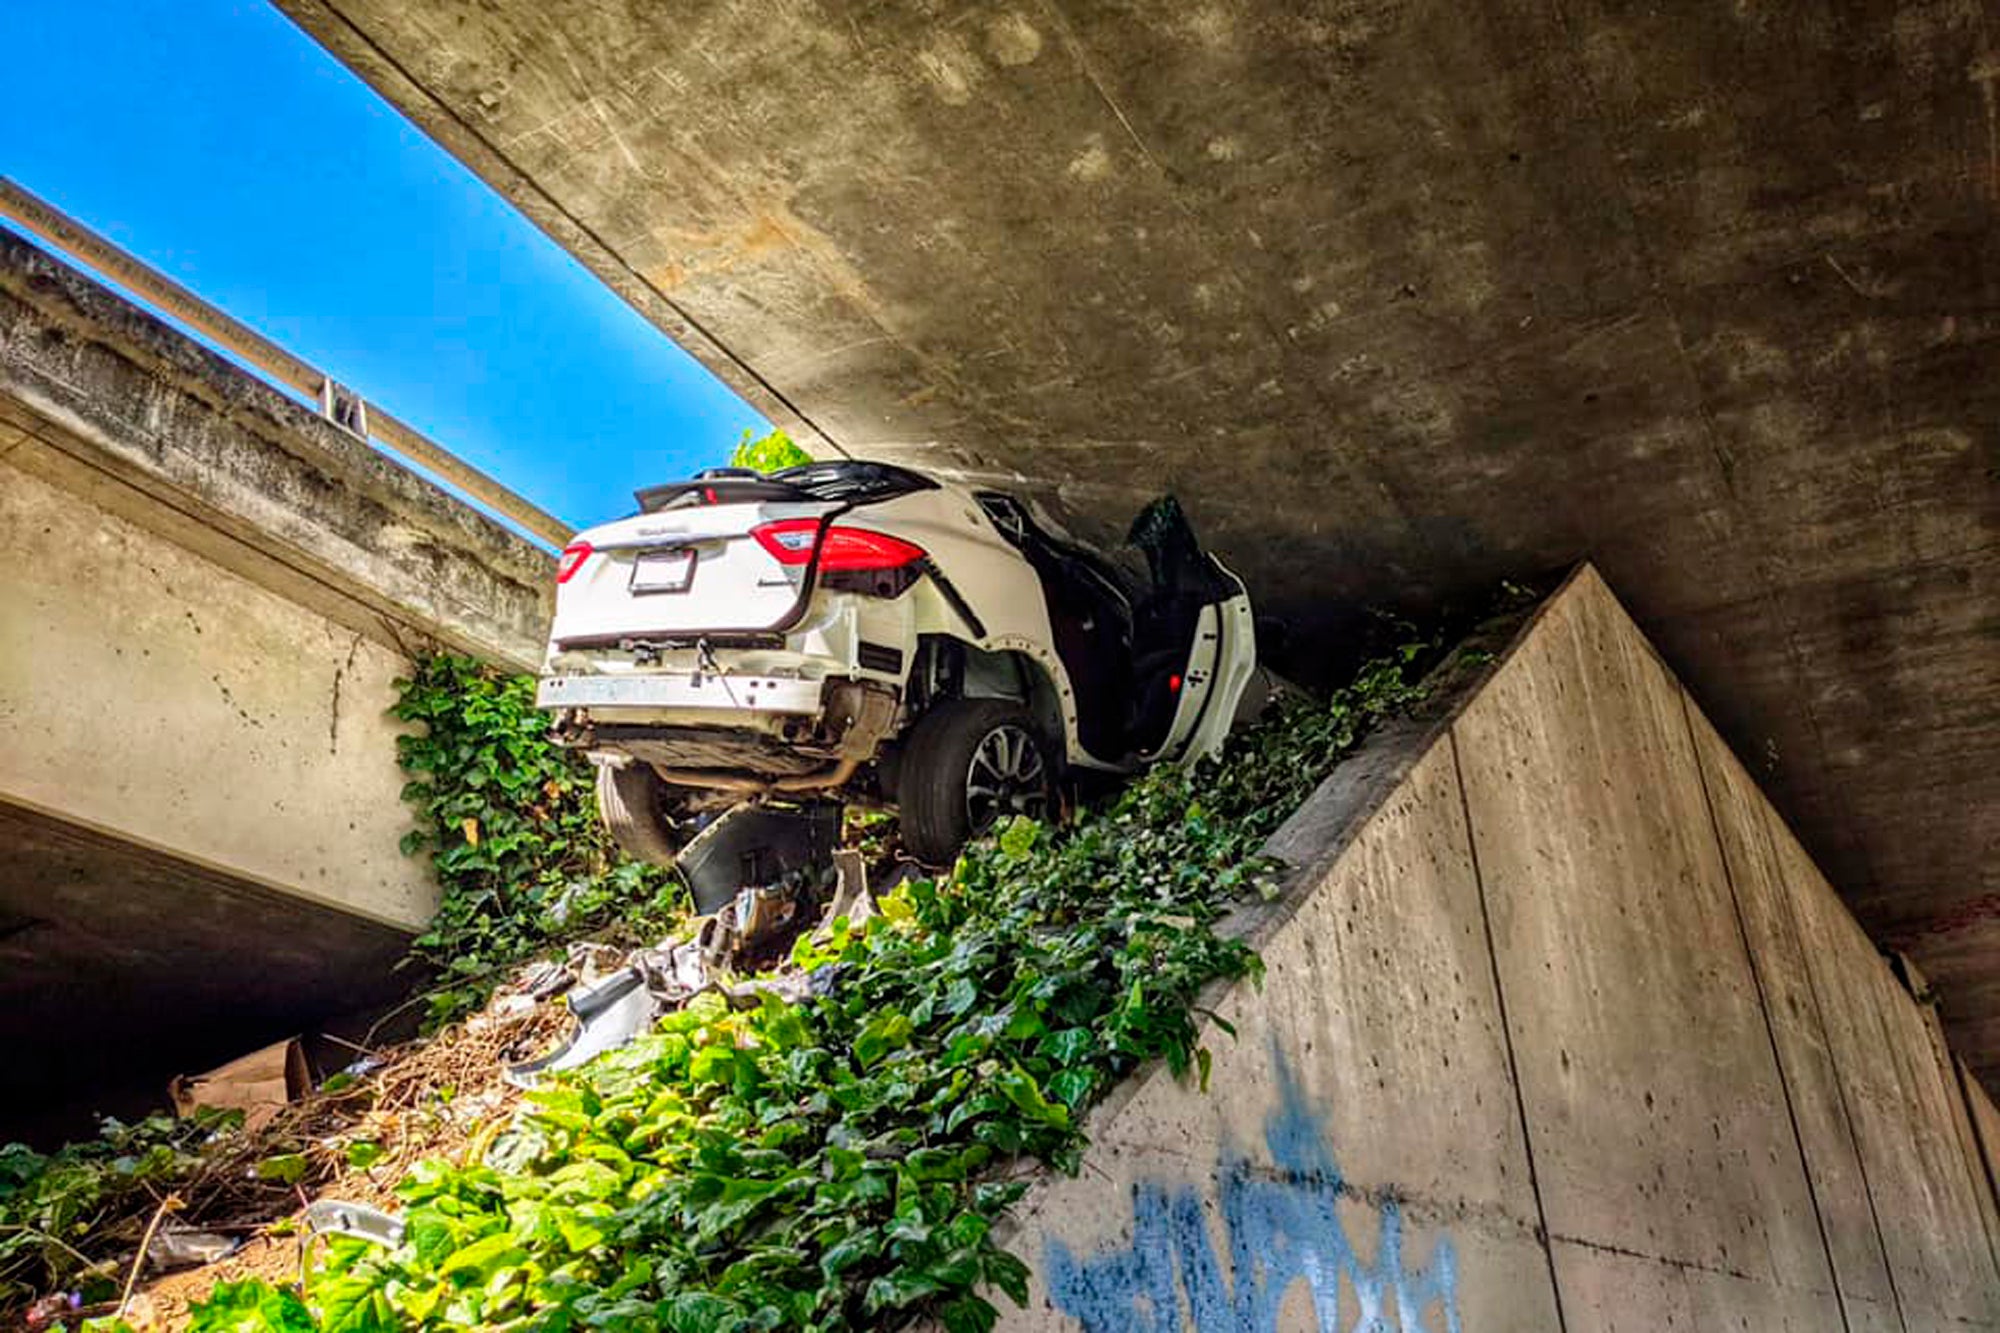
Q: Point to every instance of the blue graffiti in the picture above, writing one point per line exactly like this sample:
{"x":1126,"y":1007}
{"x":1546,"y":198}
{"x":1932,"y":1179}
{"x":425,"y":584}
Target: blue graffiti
{"x":1284,"y":1228}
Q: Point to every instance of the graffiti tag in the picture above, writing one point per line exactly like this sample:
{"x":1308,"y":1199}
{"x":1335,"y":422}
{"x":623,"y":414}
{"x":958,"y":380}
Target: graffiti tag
{"x":1284,"y":1227}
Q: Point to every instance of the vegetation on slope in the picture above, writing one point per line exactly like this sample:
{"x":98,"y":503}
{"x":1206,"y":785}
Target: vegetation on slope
{"x":511,"y":823}
{"x":771,"y":452}
{"x":835,"y":1164}
{"x":840,"y":1164}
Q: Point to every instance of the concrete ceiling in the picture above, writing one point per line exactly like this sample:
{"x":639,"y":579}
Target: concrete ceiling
{"x":1401,"y":296}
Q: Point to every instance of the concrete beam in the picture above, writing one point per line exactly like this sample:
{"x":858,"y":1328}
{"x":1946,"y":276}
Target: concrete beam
{"x":151,"y":695}
{"x":152,"y":425}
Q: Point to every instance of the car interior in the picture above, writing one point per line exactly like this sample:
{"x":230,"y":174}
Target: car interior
{"x":1121,"y":641}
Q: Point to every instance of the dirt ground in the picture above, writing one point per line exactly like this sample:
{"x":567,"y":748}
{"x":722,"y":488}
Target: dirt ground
{"x":426,"y":1098}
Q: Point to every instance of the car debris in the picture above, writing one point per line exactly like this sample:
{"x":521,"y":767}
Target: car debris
{"x":613,"y":1011}
{"x":757,"y":844}
{"x":608,"y":1015}
{"x":338,"y":1217}
{"x":177,"y":1247}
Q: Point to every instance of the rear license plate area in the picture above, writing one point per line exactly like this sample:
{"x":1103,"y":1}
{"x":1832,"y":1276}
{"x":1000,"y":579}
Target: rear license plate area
{"x":663,"y":571}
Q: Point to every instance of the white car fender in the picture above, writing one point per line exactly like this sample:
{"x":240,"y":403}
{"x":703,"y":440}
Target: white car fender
{"x":993,"y":581}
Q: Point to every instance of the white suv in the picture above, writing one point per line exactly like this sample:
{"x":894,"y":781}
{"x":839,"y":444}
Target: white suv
{"x":858,"y":631}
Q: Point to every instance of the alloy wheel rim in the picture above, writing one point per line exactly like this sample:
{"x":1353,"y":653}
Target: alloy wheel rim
{"x":1007,"y":776}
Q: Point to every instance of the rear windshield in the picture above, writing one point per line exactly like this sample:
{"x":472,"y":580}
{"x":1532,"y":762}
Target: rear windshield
{"x":847,"y":480}
{"x":853,"y":479}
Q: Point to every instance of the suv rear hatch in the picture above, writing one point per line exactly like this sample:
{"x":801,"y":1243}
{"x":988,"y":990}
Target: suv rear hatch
{"x":728,"y":552}
{"x":687,"y":572}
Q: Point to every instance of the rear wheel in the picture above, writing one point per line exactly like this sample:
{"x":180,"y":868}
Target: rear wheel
{"x":969,"y":764}
{"x":630,"y":802}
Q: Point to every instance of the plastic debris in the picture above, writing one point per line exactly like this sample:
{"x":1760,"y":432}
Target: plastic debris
{"x":176,"y":1247}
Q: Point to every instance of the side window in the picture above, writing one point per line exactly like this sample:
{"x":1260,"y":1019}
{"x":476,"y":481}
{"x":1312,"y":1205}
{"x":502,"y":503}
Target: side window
{"x":1004,"y":512}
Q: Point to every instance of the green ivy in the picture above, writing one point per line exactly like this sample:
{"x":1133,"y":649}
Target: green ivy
{"x":840,"y":1164}
{"x":249,"y":1307}
{"x":772,"y":452}
{"x":52,"y":1204}
{"x":510,"y":821}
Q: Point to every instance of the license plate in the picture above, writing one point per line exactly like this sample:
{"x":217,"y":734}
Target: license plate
{"x":663,"y":571}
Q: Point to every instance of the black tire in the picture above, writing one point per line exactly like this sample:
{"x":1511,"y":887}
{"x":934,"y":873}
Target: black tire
{"x":630,"y":804}
{"x":966,"y":764}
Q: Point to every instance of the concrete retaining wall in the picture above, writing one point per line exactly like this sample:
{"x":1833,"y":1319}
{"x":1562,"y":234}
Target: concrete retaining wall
{"x":149,"y":693}
{"x":1560,"y":1031}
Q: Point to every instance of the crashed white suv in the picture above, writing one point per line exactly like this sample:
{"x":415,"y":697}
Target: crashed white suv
{"x":858,"y":631}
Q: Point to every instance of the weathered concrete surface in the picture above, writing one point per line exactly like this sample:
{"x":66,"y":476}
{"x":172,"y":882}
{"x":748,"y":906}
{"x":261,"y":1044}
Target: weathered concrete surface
{"x":1920,"y":1183}
{"x":1401,"y":297}
{"x":149,"y":694}
{"x":1559,"y":1030}
{"x":1985,"y":1129}
{"x":210,"y":593}
{"x":151,"y":425}
{"x":1815,"y":1095}
{"x":1628,"y":986}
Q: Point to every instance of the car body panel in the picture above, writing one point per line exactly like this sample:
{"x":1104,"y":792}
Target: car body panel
{"x":732,"y":573}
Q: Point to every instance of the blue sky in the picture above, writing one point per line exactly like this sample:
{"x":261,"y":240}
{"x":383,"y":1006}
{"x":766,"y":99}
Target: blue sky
{"x":219,"y":143}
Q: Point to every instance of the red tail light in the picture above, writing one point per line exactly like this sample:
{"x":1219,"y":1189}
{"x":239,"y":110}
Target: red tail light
{"x":572,"y":560}
{"x":790,"y":542}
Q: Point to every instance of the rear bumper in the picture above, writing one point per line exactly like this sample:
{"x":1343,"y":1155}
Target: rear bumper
{"x":682,"y":690}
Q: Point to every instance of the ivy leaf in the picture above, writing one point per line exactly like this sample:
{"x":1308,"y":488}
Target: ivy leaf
{"x":1072,"y":1087}
{"x":968,"y":1314}
{"x":894,"y":1291}
{"x":885,"y":1033}
{"x":286,"y":1168}
{"x":1009,"y":1275}
{"x":1018,"y":1086}
{"x":1070,"y":1046}
{"x":1018,"y":838}
{"x":483,"y":1257}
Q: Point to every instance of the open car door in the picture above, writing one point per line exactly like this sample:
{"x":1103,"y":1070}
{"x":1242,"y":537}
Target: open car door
{"x":1194,"y":641}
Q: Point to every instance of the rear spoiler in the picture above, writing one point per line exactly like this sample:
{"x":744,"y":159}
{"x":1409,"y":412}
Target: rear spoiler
{"x":717,"y":491}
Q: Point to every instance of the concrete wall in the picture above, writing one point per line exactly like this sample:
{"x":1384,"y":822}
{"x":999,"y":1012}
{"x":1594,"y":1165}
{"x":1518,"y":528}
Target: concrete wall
{"x":209,"y":592}
{"x":1560,"y":1030}
{"x":149,"y":693}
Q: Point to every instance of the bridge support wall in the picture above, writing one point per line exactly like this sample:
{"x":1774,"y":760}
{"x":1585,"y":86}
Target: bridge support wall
{"x":1560,"y":1030}
{"x":209,"y":592}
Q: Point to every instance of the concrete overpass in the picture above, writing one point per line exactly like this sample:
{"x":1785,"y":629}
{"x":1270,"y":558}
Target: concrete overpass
{"x":1401,"y":297}
{"x":210,"y":589}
